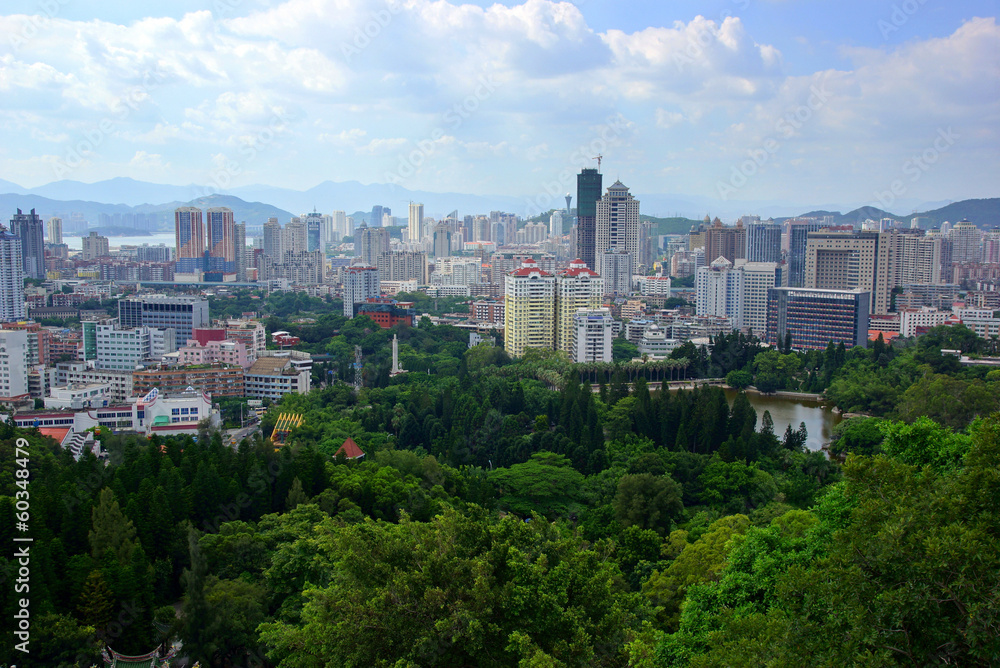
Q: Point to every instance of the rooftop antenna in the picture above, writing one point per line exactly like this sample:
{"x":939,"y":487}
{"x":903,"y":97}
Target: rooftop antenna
{"x":598,"y":158}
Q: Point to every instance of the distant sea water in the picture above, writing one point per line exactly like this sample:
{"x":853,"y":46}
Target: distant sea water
{"x":166,"y":238}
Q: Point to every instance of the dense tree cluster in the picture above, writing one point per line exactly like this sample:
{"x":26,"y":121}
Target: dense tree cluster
{"x":535,"y":513}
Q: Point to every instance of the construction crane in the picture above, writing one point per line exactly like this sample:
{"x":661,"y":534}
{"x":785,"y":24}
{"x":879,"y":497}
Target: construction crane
{"x":598,"y":158}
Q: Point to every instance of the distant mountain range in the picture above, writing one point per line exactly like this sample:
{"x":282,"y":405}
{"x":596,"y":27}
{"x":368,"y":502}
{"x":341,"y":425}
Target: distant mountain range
{"x":255,"y":204}
{"x":985,"y":213}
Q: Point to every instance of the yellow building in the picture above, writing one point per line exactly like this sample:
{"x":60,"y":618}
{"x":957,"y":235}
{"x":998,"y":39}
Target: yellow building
{"x":529,"y":312}
{"x":577,"y":287}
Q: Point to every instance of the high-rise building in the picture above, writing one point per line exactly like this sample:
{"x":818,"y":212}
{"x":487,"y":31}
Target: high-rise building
{"x":556,"y":224}
{"x":294,"y":237}
{"x":617,"y":226}
{"x":12,"y":305}
{"x":529,"y":309}
{"x":402,"y":266}
{"x":798,"y":237}
{"x":727,"y":242}
{"x":272,"y":238}
{"x":370,"y":242}
{"x":340,"y":227}
{"x":965,"y":239}
{"x":55,"y":230}
{"x":184,"y":314}
{"x":577,"y":287}
{"x":763,"y":241}
{"x":94,"y":246}
{"x":415,"y":228}
{"x":592,"y":334}
{"x":13,"y":366}
{"x":616,"y":270}
{"x":360,"y":283}
{"x":221,"y":231}
{"x":377,"y":212}
{"x":442,"y":240}
{"x":315,"y":236}
{"x":28,"y":227}
{"x":816,"y":317}
{"x":847,"y":261}
{"x":719,"y":289}
{"x":756,"y":279}
{"x":240,"y":239}
{"x":190,"y":243}
{"x":588,"y":193}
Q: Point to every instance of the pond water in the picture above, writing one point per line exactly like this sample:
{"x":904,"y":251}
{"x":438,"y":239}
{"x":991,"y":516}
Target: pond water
{"x":820,"y":418}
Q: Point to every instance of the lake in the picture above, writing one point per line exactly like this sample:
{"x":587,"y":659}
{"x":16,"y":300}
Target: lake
{"x":166,"y":238}
{"x":820,"y":418}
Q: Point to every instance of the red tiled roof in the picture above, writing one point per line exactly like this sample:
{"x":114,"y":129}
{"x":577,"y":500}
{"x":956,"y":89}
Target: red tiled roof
{"x":57,"y":434}
{"x":350,"y":449}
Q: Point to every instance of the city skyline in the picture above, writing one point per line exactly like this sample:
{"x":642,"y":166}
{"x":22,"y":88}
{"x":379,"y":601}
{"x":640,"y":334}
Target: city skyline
{"x":735,"y":100}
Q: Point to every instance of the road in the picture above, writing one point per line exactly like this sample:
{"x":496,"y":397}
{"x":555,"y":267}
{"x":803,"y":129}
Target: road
{"x":234,"y":436}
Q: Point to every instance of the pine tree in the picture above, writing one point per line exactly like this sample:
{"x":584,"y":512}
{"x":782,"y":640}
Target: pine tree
{"x":97,"y":602}
{"x":111,"y":530}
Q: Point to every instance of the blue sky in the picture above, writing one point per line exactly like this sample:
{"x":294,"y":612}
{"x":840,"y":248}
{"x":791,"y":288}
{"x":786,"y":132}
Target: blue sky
{"x":753,"y":100}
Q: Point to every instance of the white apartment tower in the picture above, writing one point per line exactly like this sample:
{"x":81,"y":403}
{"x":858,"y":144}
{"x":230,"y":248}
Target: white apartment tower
{"x":617,"y":225}
{"x":577,"y":287}
{"x":592,"y":335}
{"x":415,"y":228}
{"x":12,"y":308}
{"x":529,"y":309}
{"x":13,"y":365}
{"x":55,"y":230}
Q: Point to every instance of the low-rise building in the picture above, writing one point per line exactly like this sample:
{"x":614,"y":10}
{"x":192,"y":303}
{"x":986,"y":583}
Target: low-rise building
{"x":79,"y":372}
{"x":272,"y":377}
{"x":219,"y":380}
{"x":77,"y":396}
{"x":655,"y":344}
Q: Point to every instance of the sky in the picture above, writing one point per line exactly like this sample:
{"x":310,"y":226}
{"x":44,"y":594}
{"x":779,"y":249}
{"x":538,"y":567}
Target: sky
{"x":855,"y":102}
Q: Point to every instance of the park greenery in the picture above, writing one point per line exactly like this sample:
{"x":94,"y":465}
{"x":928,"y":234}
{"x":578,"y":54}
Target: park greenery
{"x":533,"y":512}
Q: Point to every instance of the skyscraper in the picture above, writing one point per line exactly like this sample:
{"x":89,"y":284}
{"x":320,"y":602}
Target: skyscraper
{"x":727,"y":242}
{"x":94,"y":246}
{"x":240,"y":235}
{"x":798,"y":237}
{"x":221,"y":229}
{"x":377,"y":212}
{"x":340,"y":227}
{"x":577,"y":287}
{"x":294,"y":237}
{"x":370,"y":242}
{"x":360,"y":283}
{"x":28,"y":227}
{"x":442,"y":240}
{"x":12,"y":308}
{"x":55,"y":230}
{"x":272,"y":239}
{"x":617,"y":225}
{"x":588,"y":192}
{"x":529,"y":309}
{"x":763,"y":241}
{"x":314,"y":231}
{"x":189,"y":232}
{"x":415,"y":229}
